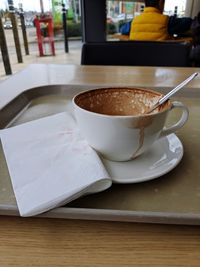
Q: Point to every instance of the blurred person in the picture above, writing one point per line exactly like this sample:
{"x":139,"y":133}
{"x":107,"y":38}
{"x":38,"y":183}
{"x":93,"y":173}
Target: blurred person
{"x":153,"y":25}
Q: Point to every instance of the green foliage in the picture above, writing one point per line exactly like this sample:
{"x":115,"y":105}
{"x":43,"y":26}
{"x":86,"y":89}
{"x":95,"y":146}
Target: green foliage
{"x":111,"y":28}
{"x":73,"y":29}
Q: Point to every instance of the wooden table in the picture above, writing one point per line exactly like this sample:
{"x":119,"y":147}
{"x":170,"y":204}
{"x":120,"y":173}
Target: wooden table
{"x":123,"y":37}
{"x":58,"y":242}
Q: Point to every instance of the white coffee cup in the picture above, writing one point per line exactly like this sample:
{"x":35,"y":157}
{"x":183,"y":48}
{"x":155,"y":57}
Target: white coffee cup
{"x":113,"y":123}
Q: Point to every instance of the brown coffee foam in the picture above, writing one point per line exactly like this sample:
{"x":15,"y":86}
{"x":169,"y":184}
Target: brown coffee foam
{"x":118,"y":101}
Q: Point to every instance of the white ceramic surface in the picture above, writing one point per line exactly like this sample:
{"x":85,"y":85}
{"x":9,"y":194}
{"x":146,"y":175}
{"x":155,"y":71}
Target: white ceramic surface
{"x":123,"y":137}
{"x":161,"y":158}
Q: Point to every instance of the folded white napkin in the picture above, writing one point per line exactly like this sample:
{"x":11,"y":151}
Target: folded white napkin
{"x":50,"y":164}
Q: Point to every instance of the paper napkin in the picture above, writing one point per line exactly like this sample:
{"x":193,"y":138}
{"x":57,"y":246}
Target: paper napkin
{"x":50,"y":164}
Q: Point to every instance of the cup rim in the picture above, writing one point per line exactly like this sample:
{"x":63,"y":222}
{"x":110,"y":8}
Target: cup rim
{"x":120,"y":116}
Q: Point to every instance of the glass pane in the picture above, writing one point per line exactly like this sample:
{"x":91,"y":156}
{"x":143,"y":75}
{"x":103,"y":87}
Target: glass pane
{"x":120,"y":13}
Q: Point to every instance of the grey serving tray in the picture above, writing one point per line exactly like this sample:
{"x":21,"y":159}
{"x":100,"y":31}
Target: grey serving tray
{"x":173,"y":198}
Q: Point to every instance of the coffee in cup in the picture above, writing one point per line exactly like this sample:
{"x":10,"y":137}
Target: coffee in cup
{"x":115,"y":123}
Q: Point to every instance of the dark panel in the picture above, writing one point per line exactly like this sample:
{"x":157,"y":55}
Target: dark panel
{"x":93,"y":13}
{"x":136,"y":53}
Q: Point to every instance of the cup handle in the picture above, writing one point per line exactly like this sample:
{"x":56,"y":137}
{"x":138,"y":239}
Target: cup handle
{"x":178,"y":124}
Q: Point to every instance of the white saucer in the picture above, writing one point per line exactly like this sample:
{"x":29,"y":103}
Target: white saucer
{"x":162,"y":157}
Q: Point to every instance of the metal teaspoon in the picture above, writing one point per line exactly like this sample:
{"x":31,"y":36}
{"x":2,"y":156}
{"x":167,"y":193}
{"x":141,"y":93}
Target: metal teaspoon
{"x":171,"y":93}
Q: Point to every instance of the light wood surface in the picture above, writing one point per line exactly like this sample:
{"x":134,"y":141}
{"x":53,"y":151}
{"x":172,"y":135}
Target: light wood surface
{"x":53,"y":242}
{"x":123,"y":37}
{"x":57,"y":242}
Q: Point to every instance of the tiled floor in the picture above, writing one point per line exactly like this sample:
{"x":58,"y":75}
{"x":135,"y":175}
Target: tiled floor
{"x":73,"y":57}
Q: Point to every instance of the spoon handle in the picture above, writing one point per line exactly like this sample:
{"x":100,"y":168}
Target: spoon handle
{"x":177,"y":88}
{"x":172,"y":92}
